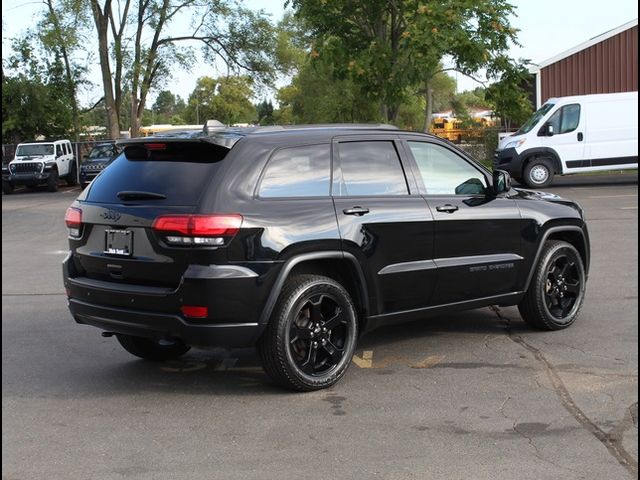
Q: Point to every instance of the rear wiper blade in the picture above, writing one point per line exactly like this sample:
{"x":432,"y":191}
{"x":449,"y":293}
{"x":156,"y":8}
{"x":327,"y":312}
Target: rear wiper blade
{"x":135,"y":195}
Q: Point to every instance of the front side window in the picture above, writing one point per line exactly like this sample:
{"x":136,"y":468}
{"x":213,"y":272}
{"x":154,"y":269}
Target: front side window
{"x":371,"y":168}
{"x":445,"y":173}
{"x":298,"y":172}
{"x":566,"y":119}
{"x":58,"y":150}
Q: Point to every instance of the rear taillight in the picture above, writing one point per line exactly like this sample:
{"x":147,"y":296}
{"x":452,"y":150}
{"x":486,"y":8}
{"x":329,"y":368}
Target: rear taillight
{"x":199,"y":230}
{"x":73,"y":219}
{"x":194,"y":311}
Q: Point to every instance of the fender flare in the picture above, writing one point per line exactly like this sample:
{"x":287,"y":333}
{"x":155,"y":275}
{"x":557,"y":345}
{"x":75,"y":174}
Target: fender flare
{"x":545,"y":237}
{"x":542,"y":151}
{"x":306,"y":257}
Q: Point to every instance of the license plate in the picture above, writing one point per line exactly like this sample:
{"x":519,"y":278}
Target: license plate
{"x":118,"y":242}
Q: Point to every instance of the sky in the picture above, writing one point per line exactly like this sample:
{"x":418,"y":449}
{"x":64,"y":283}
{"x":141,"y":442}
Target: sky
{"x":547,"y":28}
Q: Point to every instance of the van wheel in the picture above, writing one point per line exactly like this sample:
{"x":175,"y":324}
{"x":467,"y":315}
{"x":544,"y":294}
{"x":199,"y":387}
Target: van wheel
{"x":154,"y":350}
{"x":72,"y":176}
{"x":311,"y":336}
{"x":556,"y":293}
{"x":7,"y":188}
{"x":538,"y":173}
{"x":52,"y":181}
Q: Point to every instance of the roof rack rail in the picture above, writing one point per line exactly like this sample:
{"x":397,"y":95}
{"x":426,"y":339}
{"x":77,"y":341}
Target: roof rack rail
{"x":355,"y":126}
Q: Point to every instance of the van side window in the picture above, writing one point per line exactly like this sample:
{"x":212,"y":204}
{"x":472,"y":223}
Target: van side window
{"x":566,"y":119}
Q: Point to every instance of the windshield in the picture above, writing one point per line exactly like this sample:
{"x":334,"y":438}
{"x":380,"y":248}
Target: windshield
{"x":535,"y":118}
{"x":34,"y":150}
{"x":101,"y":152}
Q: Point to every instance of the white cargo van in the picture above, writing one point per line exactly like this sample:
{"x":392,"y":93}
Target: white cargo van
{"x":587,"y":133}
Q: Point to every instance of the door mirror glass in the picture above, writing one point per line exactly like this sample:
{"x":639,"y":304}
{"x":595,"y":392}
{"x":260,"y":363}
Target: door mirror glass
{"x":501,"y":182}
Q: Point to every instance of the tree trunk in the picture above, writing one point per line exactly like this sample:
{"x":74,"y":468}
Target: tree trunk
{"x":428,"y":108}
{"x":102,"y":23}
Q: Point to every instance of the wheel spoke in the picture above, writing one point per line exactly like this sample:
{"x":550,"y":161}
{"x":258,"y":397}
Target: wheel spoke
{"x":573,"y":288}
{"x":308,"y":366}
{"x":565,"y":268}
{"x":565,"y":307}
{"x":316,"y":309}
{"x":335,"y":320}
{"x":334,"y":352}
{"x":298,"y":333}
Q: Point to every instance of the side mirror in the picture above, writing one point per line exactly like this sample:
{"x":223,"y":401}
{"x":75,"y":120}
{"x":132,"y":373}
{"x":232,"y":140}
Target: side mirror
{"x":549,"y":130}
{"x":501,"y":182}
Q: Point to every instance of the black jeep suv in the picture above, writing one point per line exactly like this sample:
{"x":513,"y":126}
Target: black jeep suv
{"x":298,"y":239}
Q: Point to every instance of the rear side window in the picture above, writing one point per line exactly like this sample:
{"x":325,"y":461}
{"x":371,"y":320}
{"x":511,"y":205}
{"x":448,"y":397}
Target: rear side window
{"x":179,"y":171}
{"x":298,"y":172}
{"x":371,"y":168}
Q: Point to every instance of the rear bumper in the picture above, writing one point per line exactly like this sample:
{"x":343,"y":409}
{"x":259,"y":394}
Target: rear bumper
{"x":162,"y":326}
{"x":233,"y":295}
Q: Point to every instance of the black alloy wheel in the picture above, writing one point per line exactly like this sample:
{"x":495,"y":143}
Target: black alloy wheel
{"x":556,"y":292}
{"x":311,"y":336}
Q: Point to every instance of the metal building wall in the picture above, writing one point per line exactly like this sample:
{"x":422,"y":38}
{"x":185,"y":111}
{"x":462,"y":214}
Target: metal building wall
{"x":610,"y":66}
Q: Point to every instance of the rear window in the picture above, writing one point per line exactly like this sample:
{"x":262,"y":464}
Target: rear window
{"x":179,"y":171}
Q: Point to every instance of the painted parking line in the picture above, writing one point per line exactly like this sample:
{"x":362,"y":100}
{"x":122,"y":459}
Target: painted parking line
{"x":366,"y":361}
{"x":628,"y":208}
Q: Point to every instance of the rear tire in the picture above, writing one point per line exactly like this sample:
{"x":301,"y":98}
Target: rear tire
{"x":153,"y":350}
{"x":556,"y":293}
{"x":538,"y":173}
{"x":311,"y":336}
{"x":52,"y":181}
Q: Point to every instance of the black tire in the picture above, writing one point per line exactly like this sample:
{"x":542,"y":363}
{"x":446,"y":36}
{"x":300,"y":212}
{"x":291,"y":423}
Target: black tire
{"x":52,"y":181}
{"x":538,"y":173}
{"x":7,"y":188}
{"x":556,"y":293}
{"x":153,"y":350}
{"x":322,"y":316}
{"x":72,"y":176}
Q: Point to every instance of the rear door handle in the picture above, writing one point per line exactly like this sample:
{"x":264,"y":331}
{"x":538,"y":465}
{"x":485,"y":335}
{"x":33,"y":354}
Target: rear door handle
{"x":447,"y":208}
{"x":358,"y":211}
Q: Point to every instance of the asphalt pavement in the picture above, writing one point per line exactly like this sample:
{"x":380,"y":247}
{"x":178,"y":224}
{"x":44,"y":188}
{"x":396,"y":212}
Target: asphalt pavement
{"x":475,"y":395}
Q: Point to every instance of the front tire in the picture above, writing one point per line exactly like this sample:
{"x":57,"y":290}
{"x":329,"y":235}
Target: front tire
{"x":538,"y":173}
{"x":556,"y":293}
{"x":52,"y":181}
{"x":72,"y":176}
{"x":311,"y":336}
{"x":154,"y":350}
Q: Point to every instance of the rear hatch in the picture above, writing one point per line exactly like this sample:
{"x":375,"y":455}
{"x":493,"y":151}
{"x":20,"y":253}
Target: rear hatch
{"x":135,"y":218}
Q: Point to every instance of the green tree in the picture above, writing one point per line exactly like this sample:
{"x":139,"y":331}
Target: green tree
{"x":139,"y":41}
{"x":508,"y":96}
{"x":391,"y":47}
{"x":227,"y":99}
{"x":265,"y":112}
{"x":34,"y":95}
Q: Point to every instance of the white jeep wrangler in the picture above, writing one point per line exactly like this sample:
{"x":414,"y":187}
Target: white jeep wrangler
{"x":40,"y":163}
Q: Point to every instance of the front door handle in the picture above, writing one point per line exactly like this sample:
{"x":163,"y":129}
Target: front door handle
{"x":580,"y":136}
{"x":447,"y":208}
{"x":358,"y":211}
